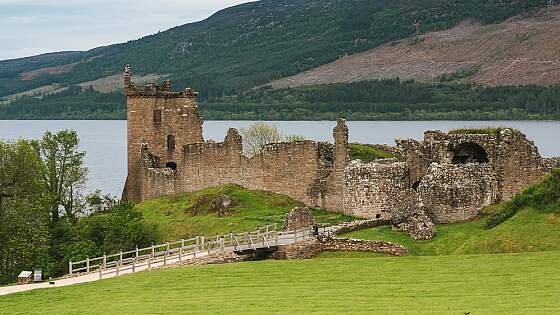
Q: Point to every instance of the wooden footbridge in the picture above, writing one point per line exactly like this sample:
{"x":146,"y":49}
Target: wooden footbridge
{"x":267,"y":238}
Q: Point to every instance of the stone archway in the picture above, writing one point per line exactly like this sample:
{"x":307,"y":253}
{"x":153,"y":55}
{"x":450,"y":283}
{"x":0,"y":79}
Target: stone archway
{"x":469,"y":153}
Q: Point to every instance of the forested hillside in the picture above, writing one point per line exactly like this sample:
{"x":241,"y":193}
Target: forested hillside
{"x":242,"y":47}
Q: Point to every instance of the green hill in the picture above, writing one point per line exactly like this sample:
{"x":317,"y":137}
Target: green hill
{"x":190,"y":214}
{"x":237,"y":49}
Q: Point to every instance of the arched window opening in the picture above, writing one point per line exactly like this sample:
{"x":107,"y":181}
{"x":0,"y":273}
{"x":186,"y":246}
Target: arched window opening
{"x":171,"y":165}
{"x":469,"y":153}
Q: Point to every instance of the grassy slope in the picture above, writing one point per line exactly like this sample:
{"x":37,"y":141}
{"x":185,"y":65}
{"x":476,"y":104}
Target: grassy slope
{"x":529,"y":230}
{"x":253,"y":208}
{"x":480,"y":284}
{"x":367,"y":153}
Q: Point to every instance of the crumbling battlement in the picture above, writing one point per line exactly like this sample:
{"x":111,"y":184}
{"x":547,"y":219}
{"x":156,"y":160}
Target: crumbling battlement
{"x":453,"y":174}
{"x":301,"y":170}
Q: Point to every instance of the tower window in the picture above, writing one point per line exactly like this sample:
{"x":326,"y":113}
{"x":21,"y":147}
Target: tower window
{"x":157,"y":116}
{"x":170,"y":143}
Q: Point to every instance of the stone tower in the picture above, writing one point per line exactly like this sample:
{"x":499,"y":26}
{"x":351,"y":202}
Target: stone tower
{"x":162,"y":120}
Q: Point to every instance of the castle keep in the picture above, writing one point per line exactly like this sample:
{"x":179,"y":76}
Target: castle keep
{"x":451,"y":175}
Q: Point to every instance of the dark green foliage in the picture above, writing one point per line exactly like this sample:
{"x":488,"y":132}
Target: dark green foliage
{"x":389,"y":100}
{"x":35,"y":178}
{"x":544,"y":196}
{"x":23,"y":219}
{"x":120,"y":228}
{"x":247,"y":45}
{"x":367,"y":100}
{"x":367,"y":153}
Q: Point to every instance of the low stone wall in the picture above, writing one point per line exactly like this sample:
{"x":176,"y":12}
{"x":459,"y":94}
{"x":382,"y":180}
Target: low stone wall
{"x":355,"y":225}
{"x":310,"y":248}
{"x":350,"y":244}
{"x":212,"y":259}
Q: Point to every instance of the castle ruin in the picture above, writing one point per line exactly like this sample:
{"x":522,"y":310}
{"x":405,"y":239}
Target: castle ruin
{"x":452,"y":175}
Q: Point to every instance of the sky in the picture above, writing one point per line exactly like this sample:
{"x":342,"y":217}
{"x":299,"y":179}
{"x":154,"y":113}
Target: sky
{"x":31,"y":27}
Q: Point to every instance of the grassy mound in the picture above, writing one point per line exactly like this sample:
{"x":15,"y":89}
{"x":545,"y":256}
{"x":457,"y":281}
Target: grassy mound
{"x":544,"y":196}
{"x":477,"y":131}
{"x":384,"y":285}
{"x":528,"y":231}
{"x":368,"y":153}
{"x":199,"y":213}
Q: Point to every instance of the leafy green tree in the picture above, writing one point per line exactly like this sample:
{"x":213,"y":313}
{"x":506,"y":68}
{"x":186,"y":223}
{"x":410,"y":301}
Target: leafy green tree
{"x":64,"y":172}
{"x":24,"y":222}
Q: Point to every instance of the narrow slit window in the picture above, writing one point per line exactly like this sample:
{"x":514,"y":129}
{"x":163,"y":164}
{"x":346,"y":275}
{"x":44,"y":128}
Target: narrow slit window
{"x":157,"y":116}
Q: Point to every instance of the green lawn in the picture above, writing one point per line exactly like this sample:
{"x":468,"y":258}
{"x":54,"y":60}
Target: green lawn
{"x":190,"y":214}
{"x":528,"y":231}
{"x":479,"y":284}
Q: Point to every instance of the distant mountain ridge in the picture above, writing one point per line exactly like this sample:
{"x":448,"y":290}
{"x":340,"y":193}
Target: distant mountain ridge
{"x":247,"y":45}
{"x":520,"y":51}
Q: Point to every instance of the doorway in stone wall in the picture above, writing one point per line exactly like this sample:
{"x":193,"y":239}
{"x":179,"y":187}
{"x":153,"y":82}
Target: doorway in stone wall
{"x":469,"y":153}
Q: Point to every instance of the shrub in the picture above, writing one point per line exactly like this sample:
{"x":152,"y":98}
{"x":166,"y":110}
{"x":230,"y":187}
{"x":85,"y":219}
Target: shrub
{"x":543,"y":196}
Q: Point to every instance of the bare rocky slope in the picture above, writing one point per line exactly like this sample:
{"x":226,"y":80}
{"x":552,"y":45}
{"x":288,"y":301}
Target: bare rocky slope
{"x":522,"y":50}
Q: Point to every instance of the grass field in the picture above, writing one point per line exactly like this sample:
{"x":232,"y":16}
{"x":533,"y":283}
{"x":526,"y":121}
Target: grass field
{"x":191,"y":214}
{"x":527,"y":231}
{"x":479,"y":284}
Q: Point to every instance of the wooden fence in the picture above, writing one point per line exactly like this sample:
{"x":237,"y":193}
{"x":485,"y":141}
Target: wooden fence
{"x":162,"y":254}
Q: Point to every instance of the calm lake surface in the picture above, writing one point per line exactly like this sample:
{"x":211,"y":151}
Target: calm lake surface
{"x":105,"y":141}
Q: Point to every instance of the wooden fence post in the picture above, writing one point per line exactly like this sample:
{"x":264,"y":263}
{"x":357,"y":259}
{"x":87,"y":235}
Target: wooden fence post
{"x":276,"y":237}
{"x":100,"y":273}
{"x":120,"y":258}
{"x":153,"y":251}
{"x":165,"y":255}
{"x":149,"y":261}
{"x":104,"y":261}
{"x":134,"y":266}
{"x":70,"y":267}
{"x":181,"y":249}
{"x":117,"y":269}
{"x":136,"y":257}
{"x":195,"y":247}
{"x":87,"y":264}
{"x":221,"y":244}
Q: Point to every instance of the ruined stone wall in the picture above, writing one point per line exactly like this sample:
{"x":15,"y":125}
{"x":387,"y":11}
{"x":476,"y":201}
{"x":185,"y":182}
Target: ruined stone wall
{"x":514,"y":159}
{"x":301,"y":170}
{"x":550,"y":164}
{"x":372,"y":189}
{"x":456,"y":193}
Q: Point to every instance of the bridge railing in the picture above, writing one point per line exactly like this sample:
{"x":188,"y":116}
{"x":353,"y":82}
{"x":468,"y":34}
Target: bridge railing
{"x":160,"y":255}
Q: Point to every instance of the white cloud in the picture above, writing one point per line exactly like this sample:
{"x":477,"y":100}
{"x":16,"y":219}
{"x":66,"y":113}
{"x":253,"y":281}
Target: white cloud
{"x":49,"y":25}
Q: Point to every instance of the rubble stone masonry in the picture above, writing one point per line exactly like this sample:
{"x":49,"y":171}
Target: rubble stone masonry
{"x":454,"y":174}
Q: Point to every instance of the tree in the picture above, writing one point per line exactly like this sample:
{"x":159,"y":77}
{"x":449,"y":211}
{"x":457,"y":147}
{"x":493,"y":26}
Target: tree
{"x":256,"y":136}
{"x":24,"y":221}
{"x":64,"y":172}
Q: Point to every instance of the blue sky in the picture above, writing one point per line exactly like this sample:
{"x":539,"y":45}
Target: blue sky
{"x":32,"y":27}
